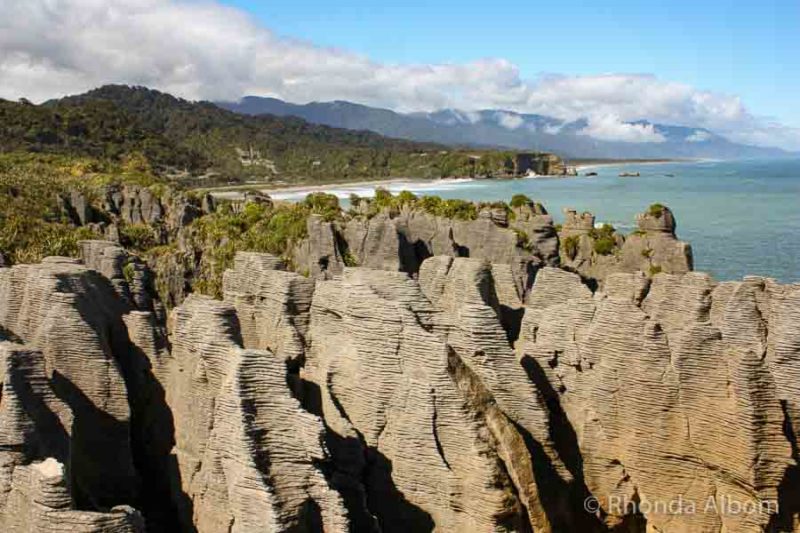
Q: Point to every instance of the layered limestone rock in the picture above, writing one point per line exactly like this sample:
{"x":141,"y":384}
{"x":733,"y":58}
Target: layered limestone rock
{"x":272,"y":305}
{"x":133,"y":204}
{"x":130,"y":276}
{"x":596,"y":253}
{"x":401,"y":397}
{"x":400,"y":240}
{"x":671,"y":393}
{"x":655,"y":241}
{"x":427,"y":407}
{"x":38,"y":500}
{"x":376,"y":243}
{"x":34,"y":488}
{"x":548,"y":484}
{"x":73,"y":316}
{"x":530,"y":240}
{"x":247,"y":453}
{"x":100,"y":354}
{"x":320,"y":255}
{"x":165,"y":212}
{"x":397,"y":422}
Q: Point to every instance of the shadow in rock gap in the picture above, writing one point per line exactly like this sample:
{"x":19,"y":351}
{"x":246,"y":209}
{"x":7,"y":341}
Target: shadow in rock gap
{"x":52,"y":439}
{"x":310,"y":519}
{"x":789,"y":488}
{"x":394,"y":512}
{"x":363,"y":476}
{"x":563,"y":500}
{"x":101,"y":474}
{"x":162,"y":502}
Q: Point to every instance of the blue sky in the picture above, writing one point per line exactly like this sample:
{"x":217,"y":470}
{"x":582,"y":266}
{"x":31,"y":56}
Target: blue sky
{"x":730,"y":67}
{"x":745,"y":48}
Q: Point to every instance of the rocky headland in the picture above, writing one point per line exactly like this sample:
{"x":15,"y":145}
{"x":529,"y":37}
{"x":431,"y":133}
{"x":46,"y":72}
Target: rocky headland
{"x":410,"y":365}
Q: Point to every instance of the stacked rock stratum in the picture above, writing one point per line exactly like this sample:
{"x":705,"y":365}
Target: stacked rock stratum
{"x":469,"y":387}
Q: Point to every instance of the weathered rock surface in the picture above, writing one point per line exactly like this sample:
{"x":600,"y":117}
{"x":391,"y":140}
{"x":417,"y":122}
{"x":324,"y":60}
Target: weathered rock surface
{"x":402,"y":240}
{"x":34,"y":488}
{"x":320,"y":255}
{"x":140,"y":205}
{"x":427,"y":407}
{"x":130,"y":276}
{"x":272,"y":305}
{"x":73,"y":317}
{"x":671,"y":392}
{"x":166,"y":212}
{"x":397,"y":420}
{"x":515,"y":411}
{"x":652,"y":248}
{"x":427,"y":393}
{"x":247,"y":453}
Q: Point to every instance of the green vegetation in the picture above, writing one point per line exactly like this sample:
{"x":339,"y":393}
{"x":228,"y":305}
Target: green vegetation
{"x":257,"y":228}
{"x":656,"y":210}
{"x":604,"y":246}
{"x":520,"y":200}
{"x":128,"y":272}
{"x":137,"y":237}
{"x":349,"y":259}
{"x":604,"y":240}
{"x":570,"y":246}
{"x":522,"y":240}
{"x":96,"y":128}
{"x":653,"y":270}
{"x":647,"y":253}
{"x":323,"y":204}
{"x":406,"y":198}
{"x":451,"y":208}
{"x":33,"y":221}
{"x":186,"y":139}
{"x":434,"y":205}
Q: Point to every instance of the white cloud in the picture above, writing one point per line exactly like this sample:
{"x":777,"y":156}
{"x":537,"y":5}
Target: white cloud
{"x":698,"y":136}
{"x":553,"y":129}
{"x":611,"y":128}
{"x":467,"y":117}
{"x":50,"y":48}
{"x":509,"y":121}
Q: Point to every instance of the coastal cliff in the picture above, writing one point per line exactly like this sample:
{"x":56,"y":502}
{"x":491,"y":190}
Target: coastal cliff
{"x":399,"y":370}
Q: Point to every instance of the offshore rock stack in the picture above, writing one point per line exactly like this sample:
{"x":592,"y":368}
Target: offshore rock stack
{"x":449,"y":390}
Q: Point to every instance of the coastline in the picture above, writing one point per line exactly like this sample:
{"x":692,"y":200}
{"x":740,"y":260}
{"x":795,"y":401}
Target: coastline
{"x":345,"y":188}
{"x":276,"y":191}
{"x":592,"y":165}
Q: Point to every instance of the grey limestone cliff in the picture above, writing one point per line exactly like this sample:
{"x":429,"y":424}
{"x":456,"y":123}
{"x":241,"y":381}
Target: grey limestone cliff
{"x":673,"y":392}
{"x":454,"y":381}
{"x":596,"y":253}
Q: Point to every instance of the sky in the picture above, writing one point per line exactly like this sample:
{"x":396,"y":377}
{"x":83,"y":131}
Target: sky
{"x":749,"y":48}
{"x":731,"y":67}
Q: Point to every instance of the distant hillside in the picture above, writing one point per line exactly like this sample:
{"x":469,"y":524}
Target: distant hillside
{"x":96,"y":128}
{"x":198,"y":138}
{"x":505,"y":129}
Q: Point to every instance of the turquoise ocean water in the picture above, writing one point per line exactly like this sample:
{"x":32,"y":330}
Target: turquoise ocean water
{"x":742,"y":218}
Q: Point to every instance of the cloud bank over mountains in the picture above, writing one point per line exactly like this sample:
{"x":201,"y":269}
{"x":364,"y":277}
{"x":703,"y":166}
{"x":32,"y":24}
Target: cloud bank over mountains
{"x":205,"y":50}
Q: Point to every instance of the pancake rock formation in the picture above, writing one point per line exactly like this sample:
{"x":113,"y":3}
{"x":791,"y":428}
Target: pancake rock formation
{"x":432,"y":388}
{"x":597,"y":252}
{"x":401,"y":239}
{"x":677,"y":393}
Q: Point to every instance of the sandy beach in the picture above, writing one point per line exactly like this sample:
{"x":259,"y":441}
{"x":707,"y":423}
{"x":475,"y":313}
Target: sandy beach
{"x":367,"y":187}
{"x":342,"y":189}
